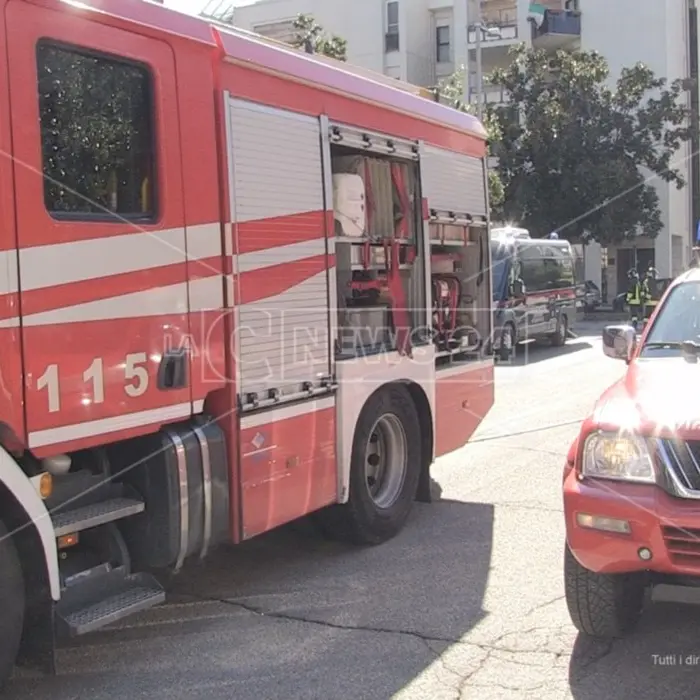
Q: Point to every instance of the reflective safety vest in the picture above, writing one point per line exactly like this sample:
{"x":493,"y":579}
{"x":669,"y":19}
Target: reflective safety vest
{"x":647,"y":296}
{"x":634,"y":295}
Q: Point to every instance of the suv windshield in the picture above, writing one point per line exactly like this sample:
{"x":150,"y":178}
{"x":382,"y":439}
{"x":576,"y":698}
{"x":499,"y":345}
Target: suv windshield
{"x":677,"y":321}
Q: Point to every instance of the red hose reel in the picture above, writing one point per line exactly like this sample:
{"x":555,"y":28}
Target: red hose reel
{"x":447,"y":296}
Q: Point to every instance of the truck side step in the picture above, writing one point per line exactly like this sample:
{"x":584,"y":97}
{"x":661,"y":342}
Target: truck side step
{"x":125,"y":596}
{"x":85,"y":517}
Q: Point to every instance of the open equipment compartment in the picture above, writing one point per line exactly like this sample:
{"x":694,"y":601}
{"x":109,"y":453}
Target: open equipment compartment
{"x":460,"y":285}
{"x":454,"y":185}
{"x":379,"y":243}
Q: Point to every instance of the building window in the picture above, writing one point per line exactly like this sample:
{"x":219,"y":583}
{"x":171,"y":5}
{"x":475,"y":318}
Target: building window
{"x":442,"y":40}
{"x":391,"y":39}
{"x":97,"y":136}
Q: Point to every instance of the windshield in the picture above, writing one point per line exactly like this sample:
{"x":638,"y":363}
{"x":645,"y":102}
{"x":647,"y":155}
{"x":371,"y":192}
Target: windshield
{"x":678,"y":320}
{"x":500,"y":269}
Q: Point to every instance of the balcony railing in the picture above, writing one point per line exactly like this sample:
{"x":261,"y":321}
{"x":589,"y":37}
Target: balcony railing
{"x":500,"y":18}
{"x":506,"y":21}
{"x":491,"y":95}
{"x":559,"y":28}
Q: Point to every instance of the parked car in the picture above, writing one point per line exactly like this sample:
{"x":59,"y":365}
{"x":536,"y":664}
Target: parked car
{"x":619,"y":302}
{"x":632,"y":475}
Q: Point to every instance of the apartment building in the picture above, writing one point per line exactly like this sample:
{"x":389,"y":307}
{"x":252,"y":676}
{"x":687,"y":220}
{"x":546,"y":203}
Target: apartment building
{"x":421,"y":41}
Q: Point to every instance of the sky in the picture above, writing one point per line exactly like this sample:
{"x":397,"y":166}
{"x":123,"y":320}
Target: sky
{"x":195,"y":6}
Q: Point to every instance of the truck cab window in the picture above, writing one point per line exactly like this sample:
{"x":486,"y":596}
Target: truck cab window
{"x":97,"y":137}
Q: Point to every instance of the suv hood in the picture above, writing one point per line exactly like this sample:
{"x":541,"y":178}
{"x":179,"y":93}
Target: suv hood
{"x":655,"y":397}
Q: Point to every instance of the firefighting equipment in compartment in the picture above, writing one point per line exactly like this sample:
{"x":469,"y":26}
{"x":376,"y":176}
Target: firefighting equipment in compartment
{"x":349,"y":205}
{"x":451,"y":321}
{"x":388,"y":222}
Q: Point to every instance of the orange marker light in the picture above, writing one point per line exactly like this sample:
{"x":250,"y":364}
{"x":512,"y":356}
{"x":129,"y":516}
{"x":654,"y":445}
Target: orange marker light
{"x":65,"y":541}
{"x":45,"y":485}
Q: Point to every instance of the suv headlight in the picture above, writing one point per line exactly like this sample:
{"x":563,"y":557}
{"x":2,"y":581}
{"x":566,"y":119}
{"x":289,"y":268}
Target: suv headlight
{"x":615,"y":456}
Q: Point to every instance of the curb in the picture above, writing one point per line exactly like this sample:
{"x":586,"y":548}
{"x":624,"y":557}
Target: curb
{"x":610,"y":316}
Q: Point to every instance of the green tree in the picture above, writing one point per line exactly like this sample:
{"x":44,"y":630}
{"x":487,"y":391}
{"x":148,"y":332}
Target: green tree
{"x":450,"y":91}
{"x":574,"y":151}
{"x":311,"y":37}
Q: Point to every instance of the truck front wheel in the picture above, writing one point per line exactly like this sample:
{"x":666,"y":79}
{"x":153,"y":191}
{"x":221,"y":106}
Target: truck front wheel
{"x":602,"y":605}
{"x":384,"y":471}
{"x":11,"y":605}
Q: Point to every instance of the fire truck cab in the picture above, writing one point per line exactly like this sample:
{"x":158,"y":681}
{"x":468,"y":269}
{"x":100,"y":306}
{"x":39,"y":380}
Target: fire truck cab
{"x":238,"y":285}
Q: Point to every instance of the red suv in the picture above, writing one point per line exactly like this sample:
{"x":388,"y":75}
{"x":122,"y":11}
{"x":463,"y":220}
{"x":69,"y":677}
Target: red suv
{"x":632,"y":476}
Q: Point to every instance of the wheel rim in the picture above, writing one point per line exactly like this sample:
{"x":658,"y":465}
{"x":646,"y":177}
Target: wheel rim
{"x":386,"y":460}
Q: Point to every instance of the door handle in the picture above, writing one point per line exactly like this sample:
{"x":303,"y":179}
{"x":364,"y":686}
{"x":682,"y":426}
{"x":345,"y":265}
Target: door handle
{"x":172,"y":371}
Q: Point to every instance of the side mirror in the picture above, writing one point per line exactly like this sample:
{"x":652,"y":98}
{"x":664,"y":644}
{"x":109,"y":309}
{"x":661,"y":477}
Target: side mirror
{"x":619,"y":342}
{"x":518,"y":288}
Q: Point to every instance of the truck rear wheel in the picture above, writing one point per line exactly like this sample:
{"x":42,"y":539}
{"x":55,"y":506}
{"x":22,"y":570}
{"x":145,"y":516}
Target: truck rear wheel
{"x":384,"y":471}
{"x":508,"y":343}
{"x":561,"y":333}
{"x":602,"y":605}
{"x":11,"y":605}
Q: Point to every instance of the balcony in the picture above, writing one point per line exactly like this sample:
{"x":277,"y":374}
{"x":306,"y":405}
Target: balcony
{"x":491,"y":95}
{"x":559,"y":29}
{"x":504,"y":20}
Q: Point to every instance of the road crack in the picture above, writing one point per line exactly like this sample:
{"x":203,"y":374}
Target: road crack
{"x":289,"y":617}
{"x":493,"y":649}
{"x":520,"y":505}
{"x":539,"y":606}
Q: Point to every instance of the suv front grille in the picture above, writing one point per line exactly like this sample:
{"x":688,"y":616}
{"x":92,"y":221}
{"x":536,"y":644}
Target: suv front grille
{"x":682,"y":460}
{"x":683,"y":545}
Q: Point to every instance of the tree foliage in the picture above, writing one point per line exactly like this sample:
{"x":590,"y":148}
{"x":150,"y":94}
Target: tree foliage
{"x":451,"y":92}
{"x":311,"y":37}
{"x":579,"y":156}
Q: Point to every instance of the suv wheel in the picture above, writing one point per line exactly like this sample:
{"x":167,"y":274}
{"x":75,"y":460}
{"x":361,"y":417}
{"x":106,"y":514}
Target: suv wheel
{"x":602,"y":605}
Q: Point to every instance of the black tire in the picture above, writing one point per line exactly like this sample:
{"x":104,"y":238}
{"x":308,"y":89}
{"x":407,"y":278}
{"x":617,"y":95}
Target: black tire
{"x":506,"y":349}
{"x":361,"y":520}
{"x":602,"y":605}
{"x":562,"y":332}
{"x":11,"y":605}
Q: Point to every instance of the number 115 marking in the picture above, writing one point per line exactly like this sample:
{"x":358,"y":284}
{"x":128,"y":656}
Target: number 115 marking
{"x":135,"y":377}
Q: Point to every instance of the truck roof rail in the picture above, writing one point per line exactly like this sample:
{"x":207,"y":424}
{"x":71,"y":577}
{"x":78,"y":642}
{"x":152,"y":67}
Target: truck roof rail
{"x":348,"y":67}
{"x":509,"y":232}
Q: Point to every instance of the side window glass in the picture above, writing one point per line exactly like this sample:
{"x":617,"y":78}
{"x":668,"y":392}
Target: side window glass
{"x":97,"y":135}
{"x":566,"y":272}
{"x":533,"y":274}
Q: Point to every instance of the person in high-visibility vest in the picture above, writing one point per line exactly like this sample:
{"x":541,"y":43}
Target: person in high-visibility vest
{"x":695,"y":258}
{"x":650,"y":295}
{"x":634,"y":297}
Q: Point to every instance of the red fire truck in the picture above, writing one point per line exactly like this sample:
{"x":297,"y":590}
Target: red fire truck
{"x":238,"y":285}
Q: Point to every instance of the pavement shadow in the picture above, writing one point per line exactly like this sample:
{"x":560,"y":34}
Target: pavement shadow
{"x":660,"y":660}
{"x":530,"y":352}
{"x":306,"y":616}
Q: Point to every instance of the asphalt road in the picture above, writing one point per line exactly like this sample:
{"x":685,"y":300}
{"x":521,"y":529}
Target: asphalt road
{"x":466,"y":603}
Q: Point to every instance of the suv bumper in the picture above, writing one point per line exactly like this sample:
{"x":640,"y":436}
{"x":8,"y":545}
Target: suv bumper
{"x":669,"y":527}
